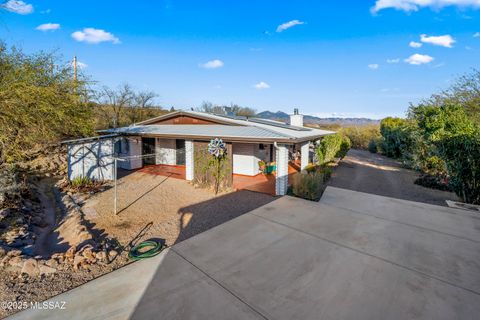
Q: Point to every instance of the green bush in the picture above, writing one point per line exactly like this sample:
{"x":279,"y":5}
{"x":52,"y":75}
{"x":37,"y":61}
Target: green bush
{"x":345,"y":145}
{"x":395,"y":137}
{"x":81,"y":182}
{"x":331,"y":147}
{"x":360,"y":136}
{"x":461,"y":154}
{"x":372,"y":146}
{"x":311,"y":185}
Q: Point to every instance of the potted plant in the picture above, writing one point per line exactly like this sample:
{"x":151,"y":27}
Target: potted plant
{"x":261,"y":165}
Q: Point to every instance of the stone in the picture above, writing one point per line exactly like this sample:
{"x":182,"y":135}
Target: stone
{"x":3,"y":252}
{"x":79,"y":261}
{"x":112,"y":254}
{"x":4,"y":213}
{"x":30,"y":267}
{"x":43,"y":269}
{"x":70,"y":253}
{"x":14,"y":253}
{"x":88,"y":253}
{"x":53,"y":263}
{"x":101,"y":256}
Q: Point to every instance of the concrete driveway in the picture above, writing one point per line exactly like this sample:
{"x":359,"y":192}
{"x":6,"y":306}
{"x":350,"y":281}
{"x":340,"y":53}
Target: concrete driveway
{"x":351,"y":256}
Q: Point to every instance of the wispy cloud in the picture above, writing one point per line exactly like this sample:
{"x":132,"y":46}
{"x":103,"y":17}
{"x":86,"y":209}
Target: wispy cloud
{"x":94,"y":36}
{"x":476,"y":35}
{"x":444,"y":41}
{"x":373,"y":66}
{"x":415,"y":44}
{"x":81,"y":65}
{"x":415,"y":5}
{"x":418,"y":59}
{"x":288,"y":25}
{"x":46,"y":11}
{"x":212,"y":64}
{"x":48,"y":27}
{"x":396,"y":60}
{"x":19,"y":7}
{"x":262,"y":85}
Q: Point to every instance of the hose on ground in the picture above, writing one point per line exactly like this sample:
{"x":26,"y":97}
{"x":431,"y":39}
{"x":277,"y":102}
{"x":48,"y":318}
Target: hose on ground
{"x":138,"y":252}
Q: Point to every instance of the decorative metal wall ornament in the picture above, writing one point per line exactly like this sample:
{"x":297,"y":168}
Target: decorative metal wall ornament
{"x":217,"y":148}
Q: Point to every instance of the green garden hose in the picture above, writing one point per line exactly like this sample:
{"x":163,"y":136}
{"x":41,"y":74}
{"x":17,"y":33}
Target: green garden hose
{"x":137,"y":253}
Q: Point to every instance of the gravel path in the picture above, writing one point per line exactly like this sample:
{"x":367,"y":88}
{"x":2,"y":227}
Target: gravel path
{"x":165,"y":208}
{"x":373,"y":173}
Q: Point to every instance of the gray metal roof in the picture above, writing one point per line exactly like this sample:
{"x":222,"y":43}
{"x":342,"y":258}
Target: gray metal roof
{"x":206,"y":130}
{"x":278,"y":129}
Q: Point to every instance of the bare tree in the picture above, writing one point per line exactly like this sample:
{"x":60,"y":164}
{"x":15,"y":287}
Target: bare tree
{"x":117,"y":100}
{"x":142,"y":101}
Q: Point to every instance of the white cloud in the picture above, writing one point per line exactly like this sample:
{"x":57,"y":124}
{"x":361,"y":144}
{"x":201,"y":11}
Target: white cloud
{"x":48,"y":27}
{"x":415,"y":5}
{"x":444,"y":41}
{"x":262,"y":85}
{"x":396,"y":60}
{"x":289,"y":24}
{"x":94,"y":36}
{"x":212,"y":64}
{"x":476,"y":35}
{"x":373,"y":66}
{"x":414,"y":44}
{"x":19,"y":7}
{"x":81,"y":65}
{"x":417,"y":59}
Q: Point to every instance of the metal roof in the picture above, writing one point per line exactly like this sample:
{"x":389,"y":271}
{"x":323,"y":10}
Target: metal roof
{"x":230,"y":127}
{"x":206,"y":130}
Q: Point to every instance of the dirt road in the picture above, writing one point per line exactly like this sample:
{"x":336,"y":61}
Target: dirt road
{"x":372,"y":173}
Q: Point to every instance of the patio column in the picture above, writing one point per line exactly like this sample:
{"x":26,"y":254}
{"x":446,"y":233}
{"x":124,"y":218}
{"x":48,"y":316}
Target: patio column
{"x":304,"y":157}
{"x":281,"y":178}
{"x":189,"y":161}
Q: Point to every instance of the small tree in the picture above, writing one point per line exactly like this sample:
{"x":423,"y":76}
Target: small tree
{"x":218,"y":150}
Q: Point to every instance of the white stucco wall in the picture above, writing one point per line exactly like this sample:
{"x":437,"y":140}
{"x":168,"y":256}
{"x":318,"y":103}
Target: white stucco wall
{"x":92,"y":159}
{"x":244,"y":159}
{"x":281,"y":179}
{"x":166,"y":151}
{"x":189,"y":160}
{"x":131,"y":146}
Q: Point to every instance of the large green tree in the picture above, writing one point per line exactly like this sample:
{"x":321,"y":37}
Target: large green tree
{"x":40,"y":103}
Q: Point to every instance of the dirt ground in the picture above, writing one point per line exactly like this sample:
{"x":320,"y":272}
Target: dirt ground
{"x":153,"y":206}
{"x":373,"y":173}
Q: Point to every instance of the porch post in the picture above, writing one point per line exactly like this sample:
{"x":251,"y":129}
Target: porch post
{"x":304,"y":157}
{"x":189,"y":161}
{"x":281,"y":178}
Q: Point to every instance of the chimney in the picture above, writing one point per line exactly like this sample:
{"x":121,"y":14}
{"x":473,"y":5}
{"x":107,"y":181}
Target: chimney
{"x":296,"y":119}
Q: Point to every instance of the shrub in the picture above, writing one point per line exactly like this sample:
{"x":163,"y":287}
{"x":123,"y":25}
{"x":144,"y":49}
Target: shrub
{"x":345,"y":145}
{"x":331,"y":147}
{"x":372,"y":146}
{"x":310,"y":186}
{"x":461,"y":154}
{"x":395,"y":136}
{"x":360,"y":136}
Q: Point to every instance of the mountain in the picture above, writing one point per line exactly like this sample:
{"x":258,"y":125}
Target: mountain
{"x":285,"y":117}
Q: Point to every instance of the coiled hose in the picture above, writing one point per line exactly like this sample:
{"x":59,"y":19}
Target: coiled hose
{"x":138,"y":253}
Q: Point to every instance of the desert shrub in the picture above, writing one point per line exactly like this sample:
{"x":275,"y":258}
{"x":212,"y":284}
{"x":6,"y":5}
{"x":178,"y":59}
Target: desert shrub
{"x":395,"y":137}
{"x":372,"y":146}
{"x":331,"y":147}
{"x":461,"y":154}
{"x":83,"y":184}
{"x":311,"y":185}
{"x":360,"y":136}
{"x":345,"y":145}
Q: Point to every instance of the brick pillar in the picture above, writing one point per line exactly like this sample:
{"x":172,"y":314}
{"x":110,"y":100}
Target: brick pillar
{"x":189,"y":160}
{"x":281,"y":178}
{"x":304,"y":157}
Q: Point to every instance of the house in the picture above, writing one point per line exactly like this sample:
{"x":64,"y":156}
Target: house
{"x":171,"y":139}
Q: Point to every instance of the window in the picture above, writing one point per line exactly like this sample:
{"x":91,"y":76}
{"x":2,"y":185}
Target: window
{"x":261,"y":146}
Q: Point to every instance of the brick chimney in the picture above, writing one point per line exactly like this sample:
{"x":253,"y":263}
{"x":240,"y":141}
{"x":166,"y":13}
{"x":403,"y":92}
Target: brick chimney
{"x":296,"y":119}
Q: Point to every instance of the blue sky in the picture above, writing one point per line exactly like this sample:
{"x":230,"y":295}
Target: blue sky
{"x":328,"y":58}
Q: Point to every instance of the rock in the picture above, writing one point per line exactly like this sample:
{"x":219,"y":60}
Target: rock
{"x":79,"y":261}
{"x":88,"y":253}
{"x":14,"y":253}
{"x":4,"y":213}
{"x":53,"y":263}
{"x":3,"y":252}
{"x":112,"y":254}
{"x":101,"y":256}
{"x":70,"y":253}
{"x":46,"y":269}
{"x":30,"y":267}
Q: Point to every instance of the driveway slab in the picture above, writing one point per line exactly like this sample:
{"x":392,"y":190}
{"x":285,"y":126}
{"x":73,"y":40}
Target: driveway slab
{"x":296,"y":259}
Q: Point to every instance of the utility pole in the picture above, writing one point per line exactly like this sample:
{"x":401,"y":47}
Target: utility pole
{"x":75,"y":68}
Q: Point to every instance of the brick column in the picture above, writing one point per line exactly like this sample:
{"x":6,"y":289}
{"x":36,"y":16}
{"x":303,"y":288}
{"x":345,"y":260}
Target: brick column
{"x":189,"y":160}
{"x":281,"y":178}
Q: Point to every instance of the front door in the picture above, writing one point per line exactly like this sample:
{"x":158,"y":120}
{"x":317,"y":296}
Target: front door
{"x":148,"y":151}
{"x":180,"y":152}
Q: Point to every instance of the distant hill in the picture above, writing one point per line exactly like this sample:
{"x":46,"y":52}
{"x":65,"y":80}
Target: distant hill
{"x":285,"y":117}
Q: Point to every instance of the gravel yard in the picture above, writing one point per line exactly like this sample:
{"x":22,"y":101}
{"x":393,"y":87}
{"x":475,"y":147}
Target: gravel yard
{"x":153,"y":206}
